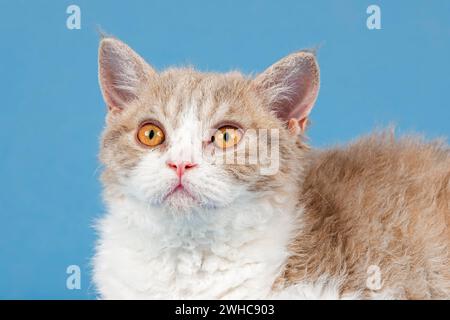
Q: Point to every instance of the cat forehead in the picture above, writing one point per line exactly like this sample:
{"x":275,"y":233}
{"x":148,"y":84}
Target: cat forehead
{"x":177,"y":95}
{"x":191,"y":84}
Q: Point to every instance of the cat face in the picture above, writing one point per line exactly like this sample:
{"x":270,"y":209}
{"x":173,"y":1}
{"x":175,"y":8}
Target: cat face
{"x":184,"y":140}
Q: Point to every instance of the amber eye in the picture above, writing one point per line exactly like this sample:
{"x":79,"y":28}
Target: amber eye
{"x":150,"y":135}
{"x":226,"y":136}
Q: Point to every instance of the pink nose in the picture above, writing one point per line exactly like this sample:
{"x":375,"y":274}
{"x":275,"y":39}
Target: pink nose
{"x":181,"y":167}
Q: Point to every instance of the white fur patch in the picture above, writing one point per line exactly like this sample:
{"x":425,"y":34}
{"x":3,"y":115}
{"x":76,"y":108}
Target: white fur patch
{"x":237,"y":253}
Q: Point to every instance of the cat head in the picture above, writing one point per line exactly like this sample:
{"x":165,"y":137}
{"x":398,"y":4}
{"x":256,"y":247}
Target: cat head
{"x":184,"y":140}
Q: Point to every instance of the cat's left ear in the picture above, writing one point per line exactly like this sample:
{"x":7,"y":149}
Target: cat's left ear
{"x":292,"y":85}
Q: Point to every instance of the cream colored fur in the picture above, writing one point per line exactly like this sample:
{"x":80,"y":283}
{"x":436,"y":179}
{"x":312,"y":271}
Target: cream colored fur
{"x":310,"y":231}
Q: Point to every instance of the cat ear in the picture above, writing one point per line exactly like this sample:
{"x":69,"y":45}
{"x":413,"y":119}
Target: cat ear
{"x":292,"y":85}
{"x":122,"y":73}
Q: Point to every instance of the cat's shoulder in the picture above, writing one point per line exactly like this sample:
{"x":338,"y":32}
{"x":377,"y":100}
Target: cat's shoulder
{"x":378,"y":154}
{"x":375,"y":168}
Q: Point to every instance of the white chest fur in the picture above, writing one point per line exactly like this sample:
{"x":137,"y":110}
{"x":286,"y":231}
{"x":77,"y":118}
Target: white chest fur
{"x":235,"y":253}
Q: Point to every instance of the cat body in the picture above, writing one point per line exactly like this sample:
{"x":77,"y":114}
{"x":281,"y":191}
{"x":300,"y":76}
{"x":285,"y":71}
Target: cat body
{"x":180,"y":226}
{"x":377,"y":208}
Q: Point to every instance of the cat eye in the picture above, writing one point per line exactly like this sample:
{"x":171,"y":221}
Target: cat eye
{"x":150,"y":135}
{"x":226,"y":137}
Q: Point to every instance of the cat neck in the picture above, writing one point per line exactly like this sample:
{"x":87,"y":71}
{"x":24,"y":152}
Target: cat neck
{"x":245,"y":243}
{"x":247,"y":219}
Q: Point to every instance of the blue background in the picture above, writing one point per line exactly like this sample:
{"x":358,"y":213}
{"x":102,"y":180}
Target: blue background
{"x":52,"y":111}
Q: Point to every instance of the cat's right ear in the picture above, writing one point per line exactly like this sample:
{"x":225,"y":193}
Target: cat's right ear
{"x":122,"y":73}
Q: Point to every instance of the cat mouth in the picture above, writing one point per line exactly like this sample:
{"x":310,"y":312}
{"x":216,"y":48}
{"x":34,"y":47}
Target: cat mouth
{"x":179,"y":190}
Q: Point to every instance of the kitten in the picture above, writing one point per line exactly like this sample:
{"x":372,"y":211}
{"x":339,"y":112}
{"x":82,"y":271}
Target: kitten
{"x":369,"y":220}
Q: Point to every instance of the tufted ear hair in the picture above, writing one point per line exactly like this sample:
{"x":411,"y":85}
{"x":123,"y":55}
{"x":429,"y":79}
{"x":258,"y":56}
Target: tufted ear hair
{"x":292,"y":85}
{"x":122,"y":73}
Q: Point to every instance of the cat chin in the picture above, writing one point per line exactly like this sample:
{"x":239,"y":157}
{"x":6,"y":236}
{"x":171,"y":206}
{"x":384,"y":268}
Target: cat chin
{"x":176,"y":203}
{"x":183,"y":203}
{"x":180,"y":203}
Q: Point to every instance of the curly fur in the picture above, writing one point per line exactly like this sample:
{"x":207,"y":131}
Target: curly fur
{"x":310,"y":231}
